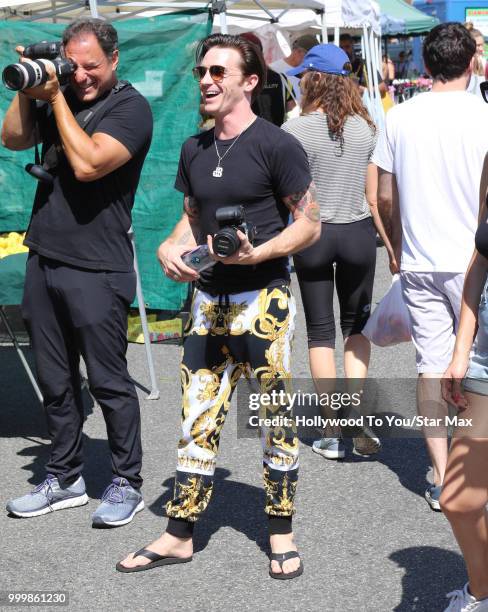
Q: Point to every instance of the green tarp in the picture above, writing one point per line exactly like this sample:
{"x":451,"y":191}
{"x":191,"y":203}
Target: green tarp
{"x":398,"y":17}
{"x":156,"y":56}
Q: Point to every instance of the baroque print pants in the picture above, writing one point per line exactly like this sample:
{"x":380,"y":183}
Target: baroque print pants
{"x":227,"y":336}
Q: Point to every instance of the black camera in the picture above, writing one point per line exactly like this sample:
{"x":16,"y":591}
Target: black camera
{"x":231,"y":219}
{"x":32,"y":71}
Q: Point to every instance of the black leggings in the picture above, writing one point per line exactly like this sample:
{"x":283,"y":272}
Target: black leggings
{"x":352,"y":248}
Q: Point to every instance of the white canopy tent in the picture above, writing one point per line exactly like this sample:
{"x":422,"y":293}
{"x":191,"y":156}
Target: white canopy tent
{"x":361,"y":17}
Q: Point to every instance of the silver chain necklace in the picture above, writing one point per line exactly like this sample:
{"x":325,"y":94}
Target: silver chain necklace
{"x":217,"y":173}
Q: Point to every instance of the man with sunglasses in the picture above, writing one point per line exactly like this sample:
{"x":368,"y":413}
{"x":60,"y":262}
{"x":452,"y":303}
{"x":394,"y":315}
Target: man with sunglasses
{"x":80,"y":278}
{"x":242,"y":313}
{"x":430,"y":156}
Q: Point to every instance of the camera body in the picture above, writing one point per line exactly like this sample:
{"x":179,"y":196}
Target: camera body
{"x":32,"y":71}
{"x":231,"y":219}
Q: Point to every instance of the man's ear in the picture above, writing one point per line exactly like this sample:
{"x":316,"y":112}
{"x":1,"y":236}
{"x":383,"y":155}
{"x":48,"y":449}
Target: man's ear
{"x":250,"y":82}
{"x":115,"y":59}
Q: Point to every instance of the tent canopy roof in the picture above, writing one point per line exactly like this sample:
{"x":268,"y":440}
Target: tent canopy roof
{"x":338,"y":13}
{"x":398,"y":17}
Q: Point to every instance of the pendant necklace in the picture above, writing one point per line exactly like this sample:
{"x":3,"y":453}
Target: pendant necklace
{"x":217,"y":173}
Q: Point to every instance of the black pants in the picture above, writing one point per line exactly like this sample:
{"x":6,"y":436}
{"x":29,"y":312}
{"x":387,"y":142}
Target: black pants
{"x":352,"y":248}
{"x":70,"y":311}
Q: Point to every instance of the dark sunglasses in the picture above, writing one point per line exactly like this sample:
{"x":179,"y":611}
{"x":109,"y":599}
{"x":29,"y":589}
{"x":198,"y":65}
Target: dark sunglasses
{"x":484,"y":90}
{"x":217,"y":73}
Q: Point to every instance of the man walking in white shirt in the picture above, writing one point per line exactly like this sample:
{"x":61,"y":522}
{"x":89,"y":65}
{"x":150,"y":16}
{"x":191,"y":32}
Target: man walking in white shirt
{"x":430,"y":156}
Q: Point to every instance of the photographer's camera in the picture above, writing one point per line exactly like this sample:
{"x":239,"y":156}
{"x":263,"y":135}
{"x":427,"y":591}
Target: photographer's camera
{"x":32,"y":71}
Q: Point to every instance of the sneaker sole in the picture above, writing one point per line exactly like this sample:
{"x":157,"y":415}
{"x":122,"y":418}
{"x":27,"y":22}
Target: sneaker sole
{"x":433,"y":503}
{"x":62,"y":504}
{"x":98,"y":522}
{"x":327,"y":454}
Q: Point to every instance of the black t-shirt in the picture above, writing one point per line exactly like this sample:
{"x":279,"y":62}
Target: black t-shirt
{"x":264,"y":165}
{"x":271,"y":102}
{"x":85,"y":224}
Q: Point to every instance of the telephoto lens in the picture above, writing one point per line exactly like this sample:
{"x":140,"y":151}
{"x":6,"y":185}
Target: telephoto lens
{"x":31,"y":73}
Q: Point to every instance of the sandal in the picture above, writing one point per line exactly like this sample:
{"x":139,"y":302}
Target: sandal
{"x":156,"y":561}
{"x":281,"y":558}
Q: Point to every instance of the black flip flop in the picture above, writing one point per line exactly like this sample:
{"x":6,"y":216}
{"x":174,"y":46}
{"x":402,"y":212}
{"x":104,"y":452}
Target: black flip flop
{"x":281,"y":558}
{"x":156,"y":561}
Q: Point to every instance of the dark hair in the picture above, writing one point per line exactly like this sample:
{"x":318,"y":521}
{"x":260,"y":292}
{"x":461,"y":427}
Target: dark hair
{"x":252,"y":61}
{"x":346,"y":36}
{"x":103,"y":31}
{"x":448,"y":50}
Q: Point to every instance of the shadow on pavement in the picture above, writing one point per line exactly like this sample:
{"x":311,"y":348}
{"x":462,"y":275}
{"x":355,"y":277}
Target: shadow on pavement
{"x":430,"y":573}
{"x":233,"y":504}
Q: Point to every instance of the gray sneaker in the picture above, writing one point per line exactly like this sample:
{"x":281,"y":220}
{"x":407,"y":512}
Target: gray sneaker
{"x":432,"y":495}
{"x":48,"y":497}
{"x":330,"y":448}
{"x":120,"y":502}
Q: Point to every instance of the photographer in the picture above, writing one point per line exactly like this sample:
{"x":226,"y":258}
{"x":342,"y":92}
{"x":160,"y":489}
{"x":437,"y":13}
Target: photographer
{"x":80,"y":279}
{"x":242,"y":315}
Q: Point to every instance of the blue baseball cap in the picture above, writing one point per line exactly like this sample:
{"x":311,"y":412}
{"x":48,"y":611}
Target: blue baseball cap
{"x":324,"y":58}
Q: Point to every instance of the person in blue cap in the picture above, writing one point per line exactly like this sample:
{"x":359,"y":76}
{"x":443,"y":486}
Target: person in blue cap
{"x":339,"y":137}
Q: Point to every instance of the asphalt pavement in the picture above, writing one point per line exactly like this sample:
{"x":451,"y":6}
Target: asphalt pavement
{"x":368,"y":539}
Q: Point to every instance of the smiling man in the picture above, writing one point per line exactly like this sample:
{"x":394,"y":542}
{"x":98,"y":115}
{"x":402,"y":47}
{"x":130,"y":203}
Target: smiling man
{"x":242,"y":312}
{"x":80,"y":279}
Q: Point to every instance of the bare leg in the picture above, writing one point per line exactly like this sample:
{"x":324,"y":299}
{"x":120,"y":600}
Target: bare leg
{"x":465,"y":493}
{"x":323,"y":370}
{"x":357,"y":353}
{"x":430,"y":404}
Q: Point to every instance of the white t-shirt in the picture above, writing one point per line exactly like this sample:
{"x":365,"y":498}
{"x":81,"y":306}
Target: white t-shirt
{"x":282,"y":67}
{"x":435,"y":144}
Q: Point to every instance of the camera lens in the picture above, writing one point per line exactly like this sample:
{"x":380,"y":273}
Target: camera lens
{"x":14,"y":77}
{"x":226,"y":242}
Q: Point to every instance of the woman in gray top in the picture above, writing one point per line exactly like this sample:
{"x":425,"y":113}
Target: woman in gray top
{"x":339,"y":137}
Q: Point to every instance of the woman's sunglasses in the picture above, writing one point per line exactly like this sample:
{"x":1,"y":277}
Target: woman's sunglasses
{"x":217,"y":73}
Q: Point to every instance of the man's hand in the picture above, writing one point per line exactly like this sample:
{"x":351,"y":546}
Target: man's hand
{"x":169,"y":256}
{"x":244,"y":256}
{"x":48,"y":90}
{"x":451,"y":383}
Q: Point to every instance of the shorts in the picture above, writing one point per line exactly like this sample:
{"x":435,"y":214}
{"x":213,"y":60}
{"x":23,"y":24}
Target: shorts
{"x":433,"y":301}
{"x":476,"y":380}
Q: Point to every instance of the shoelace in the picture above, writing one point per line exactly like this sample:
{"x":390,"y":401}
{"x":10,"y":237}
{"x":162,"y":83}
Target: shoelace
{"x":47,"y":489}
{"x":457,"y":599}
{"x":113,"y":494}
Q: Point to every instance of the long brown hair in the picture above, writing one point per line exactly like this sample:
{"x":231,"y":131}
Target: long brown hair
{"x":337,"y":96}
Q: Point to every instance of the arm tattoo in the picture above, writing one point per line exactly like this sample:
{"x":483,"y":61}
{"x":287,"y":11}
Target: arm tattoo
{"x":304,"y":203}
{"x":191,"y":208}
{"x":184,"y":238}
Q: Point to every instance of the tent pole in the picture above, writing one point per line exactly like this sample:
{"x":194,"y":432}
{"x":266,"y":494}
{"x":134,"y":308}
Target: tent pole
{"x":94,"y":8}
{"x":325,"y":38}
{"x":223,"y":22}
{"x":336,"y":36}
{"x":369,"y":71}
{"x":53,"y":5}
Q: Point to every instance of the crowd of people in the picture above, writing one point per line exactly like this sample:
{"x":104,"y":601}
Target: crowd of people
{"x":319,"y":187}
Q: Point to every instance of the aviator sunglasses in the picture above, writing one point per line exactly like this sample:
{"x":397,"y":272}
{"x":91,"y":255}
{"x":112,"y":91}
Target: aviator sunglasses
{"x":217,"y":73}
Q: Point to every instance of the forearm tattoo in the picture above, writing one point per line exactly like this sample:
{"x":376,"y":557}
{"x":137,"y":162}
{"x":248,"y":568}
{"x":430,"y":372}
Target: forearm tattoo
{"x":185,"y":238}
{"x":304,"y":203}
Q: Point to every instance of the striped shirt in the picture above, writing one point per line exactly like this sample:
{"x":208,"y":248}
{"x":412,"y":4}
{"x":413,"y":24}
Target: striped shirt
{"x":339,"y":176}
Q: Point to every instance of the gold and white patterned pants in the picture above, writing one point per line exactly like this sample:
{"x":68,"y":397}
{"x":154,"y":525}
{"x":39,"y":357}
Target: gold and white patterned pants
{"x":229,"y":335}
